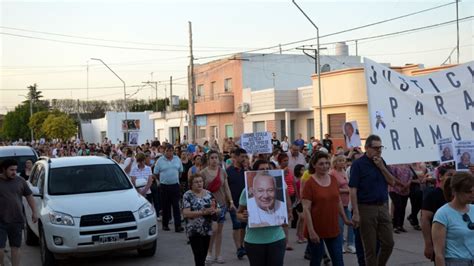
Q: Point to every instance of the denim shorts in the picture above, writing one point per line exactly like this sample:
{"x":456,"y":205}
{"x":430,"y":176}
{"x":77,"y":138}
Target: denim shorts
{"x":236,"y":224}
{"x":13,"y":232}
{"x":221,"y":218}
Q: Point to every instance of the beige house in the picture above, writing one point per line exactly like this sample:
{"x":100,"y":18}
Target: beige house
{"x":286,"y":112}
{"x":344,"y":98}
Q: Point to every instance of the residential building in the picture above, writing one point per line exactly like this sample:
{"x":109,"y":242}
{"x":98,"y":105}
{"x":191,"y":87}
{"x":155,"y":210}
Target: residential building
{"x":170,"y":126}
{"x":286,"y":112}
{"x":220,"y":107}
{"x":344,"y":98}
{"x":114,"y":127}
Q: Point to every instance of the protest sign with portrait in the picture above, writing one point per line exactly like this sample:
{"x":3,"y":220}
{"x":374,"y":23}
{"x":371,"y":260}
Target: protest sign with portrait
{"x":266,"y":199}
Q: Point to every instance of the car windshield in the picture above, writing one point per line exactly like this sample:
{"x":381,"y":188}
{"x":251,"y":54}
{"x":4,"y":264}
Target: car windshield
{"x":21,"y":161}
{"x":87,"y":179}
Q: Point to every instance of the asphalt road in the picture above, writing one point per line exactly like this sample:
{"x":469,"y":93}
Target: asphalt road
{"x":173,"y":250}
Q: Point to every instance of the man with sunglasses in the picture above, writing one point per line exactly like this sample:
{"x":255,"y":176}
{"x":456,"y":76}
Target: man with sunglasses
{"x":369,"y":180}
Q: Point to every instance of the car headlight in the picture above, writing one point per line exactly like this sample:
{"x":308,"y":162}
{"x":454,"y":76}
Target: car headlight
{"x":60,"y":218}
{"x":145,"y":210}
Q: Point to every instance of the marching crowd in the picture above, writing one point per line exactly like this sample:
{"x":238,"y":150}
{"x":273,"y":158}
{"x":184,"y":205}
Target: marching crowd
{"x":337,"y":199}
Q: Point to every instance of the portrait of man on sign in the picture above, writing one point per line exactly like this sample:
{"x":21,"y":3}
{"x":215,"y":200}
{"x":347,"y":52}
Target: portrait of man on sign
{"x":266,"y":203}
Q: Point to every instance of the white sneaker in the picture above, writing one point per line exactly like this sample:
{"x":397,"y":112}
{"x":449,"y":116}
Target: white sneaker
{"x":219,"y":260}
{"x":209,"y":259}
{"x":351,"y":249}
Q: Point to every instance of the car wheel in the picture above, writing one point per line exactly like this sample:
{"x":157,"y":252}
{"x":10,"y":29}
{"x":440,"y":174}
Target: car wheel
{"x":148,"y":250}
{"x":47,"y":257}
{"x":30,"y":238}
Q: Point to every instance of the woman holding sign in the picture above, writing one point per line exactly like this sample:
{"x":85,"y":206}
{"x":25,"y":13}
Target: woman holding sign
{"x":264,"y":245}
{"x":215,"y":180}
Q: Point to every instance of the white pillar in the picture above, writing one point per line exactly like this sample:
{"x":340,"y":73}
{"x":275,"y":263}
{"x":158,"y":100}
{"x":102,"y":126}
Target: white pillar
{"x":287,"y":125}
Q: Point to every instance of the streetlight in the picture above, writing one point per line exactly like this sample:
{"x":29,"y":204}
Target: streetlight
{"x":31,"y":112}
{"x":318,"y":70}
{"x":124,"y":96}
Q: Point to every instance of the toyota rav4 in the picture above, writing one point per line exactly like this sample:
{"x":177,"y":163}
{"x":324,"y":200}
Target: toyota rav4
{"x":87,"y":205}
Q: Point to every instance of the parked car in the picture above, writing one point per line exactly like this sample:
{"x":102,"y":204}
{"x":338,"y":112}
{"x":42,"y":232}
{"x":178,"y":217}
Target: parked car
{"x":87,"y":205}
{"x":20,"y":153}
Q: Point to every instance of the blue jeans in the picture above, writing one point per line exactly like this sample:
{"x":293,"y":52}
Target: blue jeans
{"x":350,"y":232}
{"x":334,"y":246}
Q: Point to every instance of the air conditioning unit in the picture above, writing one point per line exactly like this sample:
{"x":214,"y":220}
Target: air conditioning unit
{"x":245,"y":108}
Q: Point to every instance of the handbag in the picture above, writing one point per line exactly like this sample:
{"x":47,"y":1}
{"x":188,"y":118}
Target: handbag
{"x":216,"y":183}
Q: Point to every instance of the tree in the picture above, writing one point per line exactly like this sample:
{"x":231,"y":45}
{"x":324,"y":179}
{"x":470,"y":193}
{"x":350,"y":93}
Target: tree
{"x":59,"y":126}
{"x":37,"y":121}
{"x":34,"y":93}
{"x":15,"y":123}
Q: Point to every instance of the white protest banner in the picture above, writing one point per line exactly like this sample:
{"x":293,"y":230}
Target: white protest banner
{"x":259,"y":142}
{"x":445,"y":150}
{"x":464,"y":154}
{"x":411,"y":113}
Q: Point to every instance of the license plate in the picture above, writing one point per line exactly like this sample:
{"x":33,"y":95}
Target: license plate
{"x":108,"y":238}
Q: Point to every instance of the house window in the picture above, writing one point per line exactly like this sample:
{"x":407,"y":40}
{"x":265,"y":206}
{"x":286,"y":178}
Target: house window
{"x":259,"y":126}
{"x":200,"y":90}
{"x":229,"y":131}
{"x":211,"y":93}
{"x":228,"y":85}
{"x":310,"y":128}
{"x":201,"y":132}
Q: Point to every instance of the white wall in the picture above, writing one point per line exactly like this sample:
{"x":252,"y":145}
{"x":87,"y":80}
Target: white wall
{"x":114,"y":125}
{"x":287,"y":71}
{"x":164,"y":121}
{"x":91,"y":131}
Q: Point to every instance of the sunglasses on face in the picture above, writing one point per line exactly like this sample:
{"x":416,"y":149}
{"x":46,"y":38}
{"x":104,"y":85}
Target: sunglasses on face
{"x":467,"y":219}
{"x":377,"y":148}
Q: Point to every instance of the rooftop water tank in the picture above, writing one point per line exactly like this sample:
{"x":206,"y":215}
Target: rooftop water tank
{"x":342,"y":49}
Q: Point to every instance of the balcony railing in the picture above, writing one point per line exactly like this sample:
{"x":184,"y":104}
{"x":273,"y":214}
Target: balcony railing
{"x":215,"y":103}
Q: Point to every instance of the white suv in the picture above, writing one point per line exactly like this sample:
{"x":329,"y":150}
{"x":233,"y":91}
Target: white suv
{"x":87,"y":205}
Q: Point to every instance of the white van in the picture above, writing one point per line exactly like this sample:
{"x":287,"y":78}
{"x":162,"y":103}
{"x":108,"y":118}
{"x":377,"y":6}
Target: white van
{"x":87,"y":205}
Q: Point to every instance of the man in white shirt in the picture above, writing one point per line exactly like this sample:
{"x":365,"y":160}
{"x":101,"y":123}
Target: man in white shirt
{"x":264,"y":209}
{"x":295,"y":157}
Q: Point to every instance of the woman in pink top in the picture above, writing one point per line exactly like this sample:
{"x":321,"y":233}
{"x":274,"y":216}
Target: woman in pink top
{"x":290,"y":184}
{"x":338,"y":171}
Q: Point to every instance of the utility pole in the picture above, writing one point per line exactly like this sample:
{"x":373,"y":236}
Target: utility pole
{"x":124,"y":96}
{"x":357,"y":48}
{"x":317,"y":70}
{"x":318,"y":52}
{"x":31,"y":114}
{"x":191,"y":85}
{"x":156,"y":91}
{"x":87,"y":70}
{"x":171,"y":93}
{"x":457,"y":27}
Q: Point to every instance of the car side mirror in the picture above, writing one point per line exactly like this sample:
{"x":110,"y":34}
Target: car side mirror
{"x":36,"y":192}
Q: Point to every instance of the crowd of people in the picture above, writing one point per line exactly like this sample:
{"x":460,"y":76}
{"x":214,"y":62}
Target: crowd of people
{"x":337,"y":198}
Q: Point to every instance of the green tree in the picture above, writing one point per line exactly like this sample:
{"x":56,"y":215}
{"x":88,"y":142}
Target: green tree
{"x":59,"y":126}
{"x":15,"y":123}
{"x":37,"y":120}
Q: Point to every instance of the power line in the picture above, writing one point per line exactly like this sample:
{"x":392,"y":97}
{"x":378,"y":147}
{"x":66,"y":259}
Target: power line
{"x":99,"y":45}
{"x":117,"y":41}
{"x":331,"y":34}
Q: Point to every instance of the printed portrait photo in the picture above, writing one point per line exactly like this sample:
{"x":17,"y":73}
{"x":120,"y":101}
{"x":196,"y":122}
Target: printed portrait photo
{"x":266,"y":202}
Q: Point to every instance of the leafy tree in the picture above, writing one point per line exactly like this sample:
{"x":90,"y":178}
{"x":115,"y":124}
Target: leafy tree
{"x":59,"y":126}
{"x":37,"y":120}
{"x":15,"y":123}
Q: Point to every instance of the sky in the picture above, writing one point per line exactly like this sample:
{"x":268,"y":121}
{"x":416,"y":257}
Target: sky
{"x":149,"y":40}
